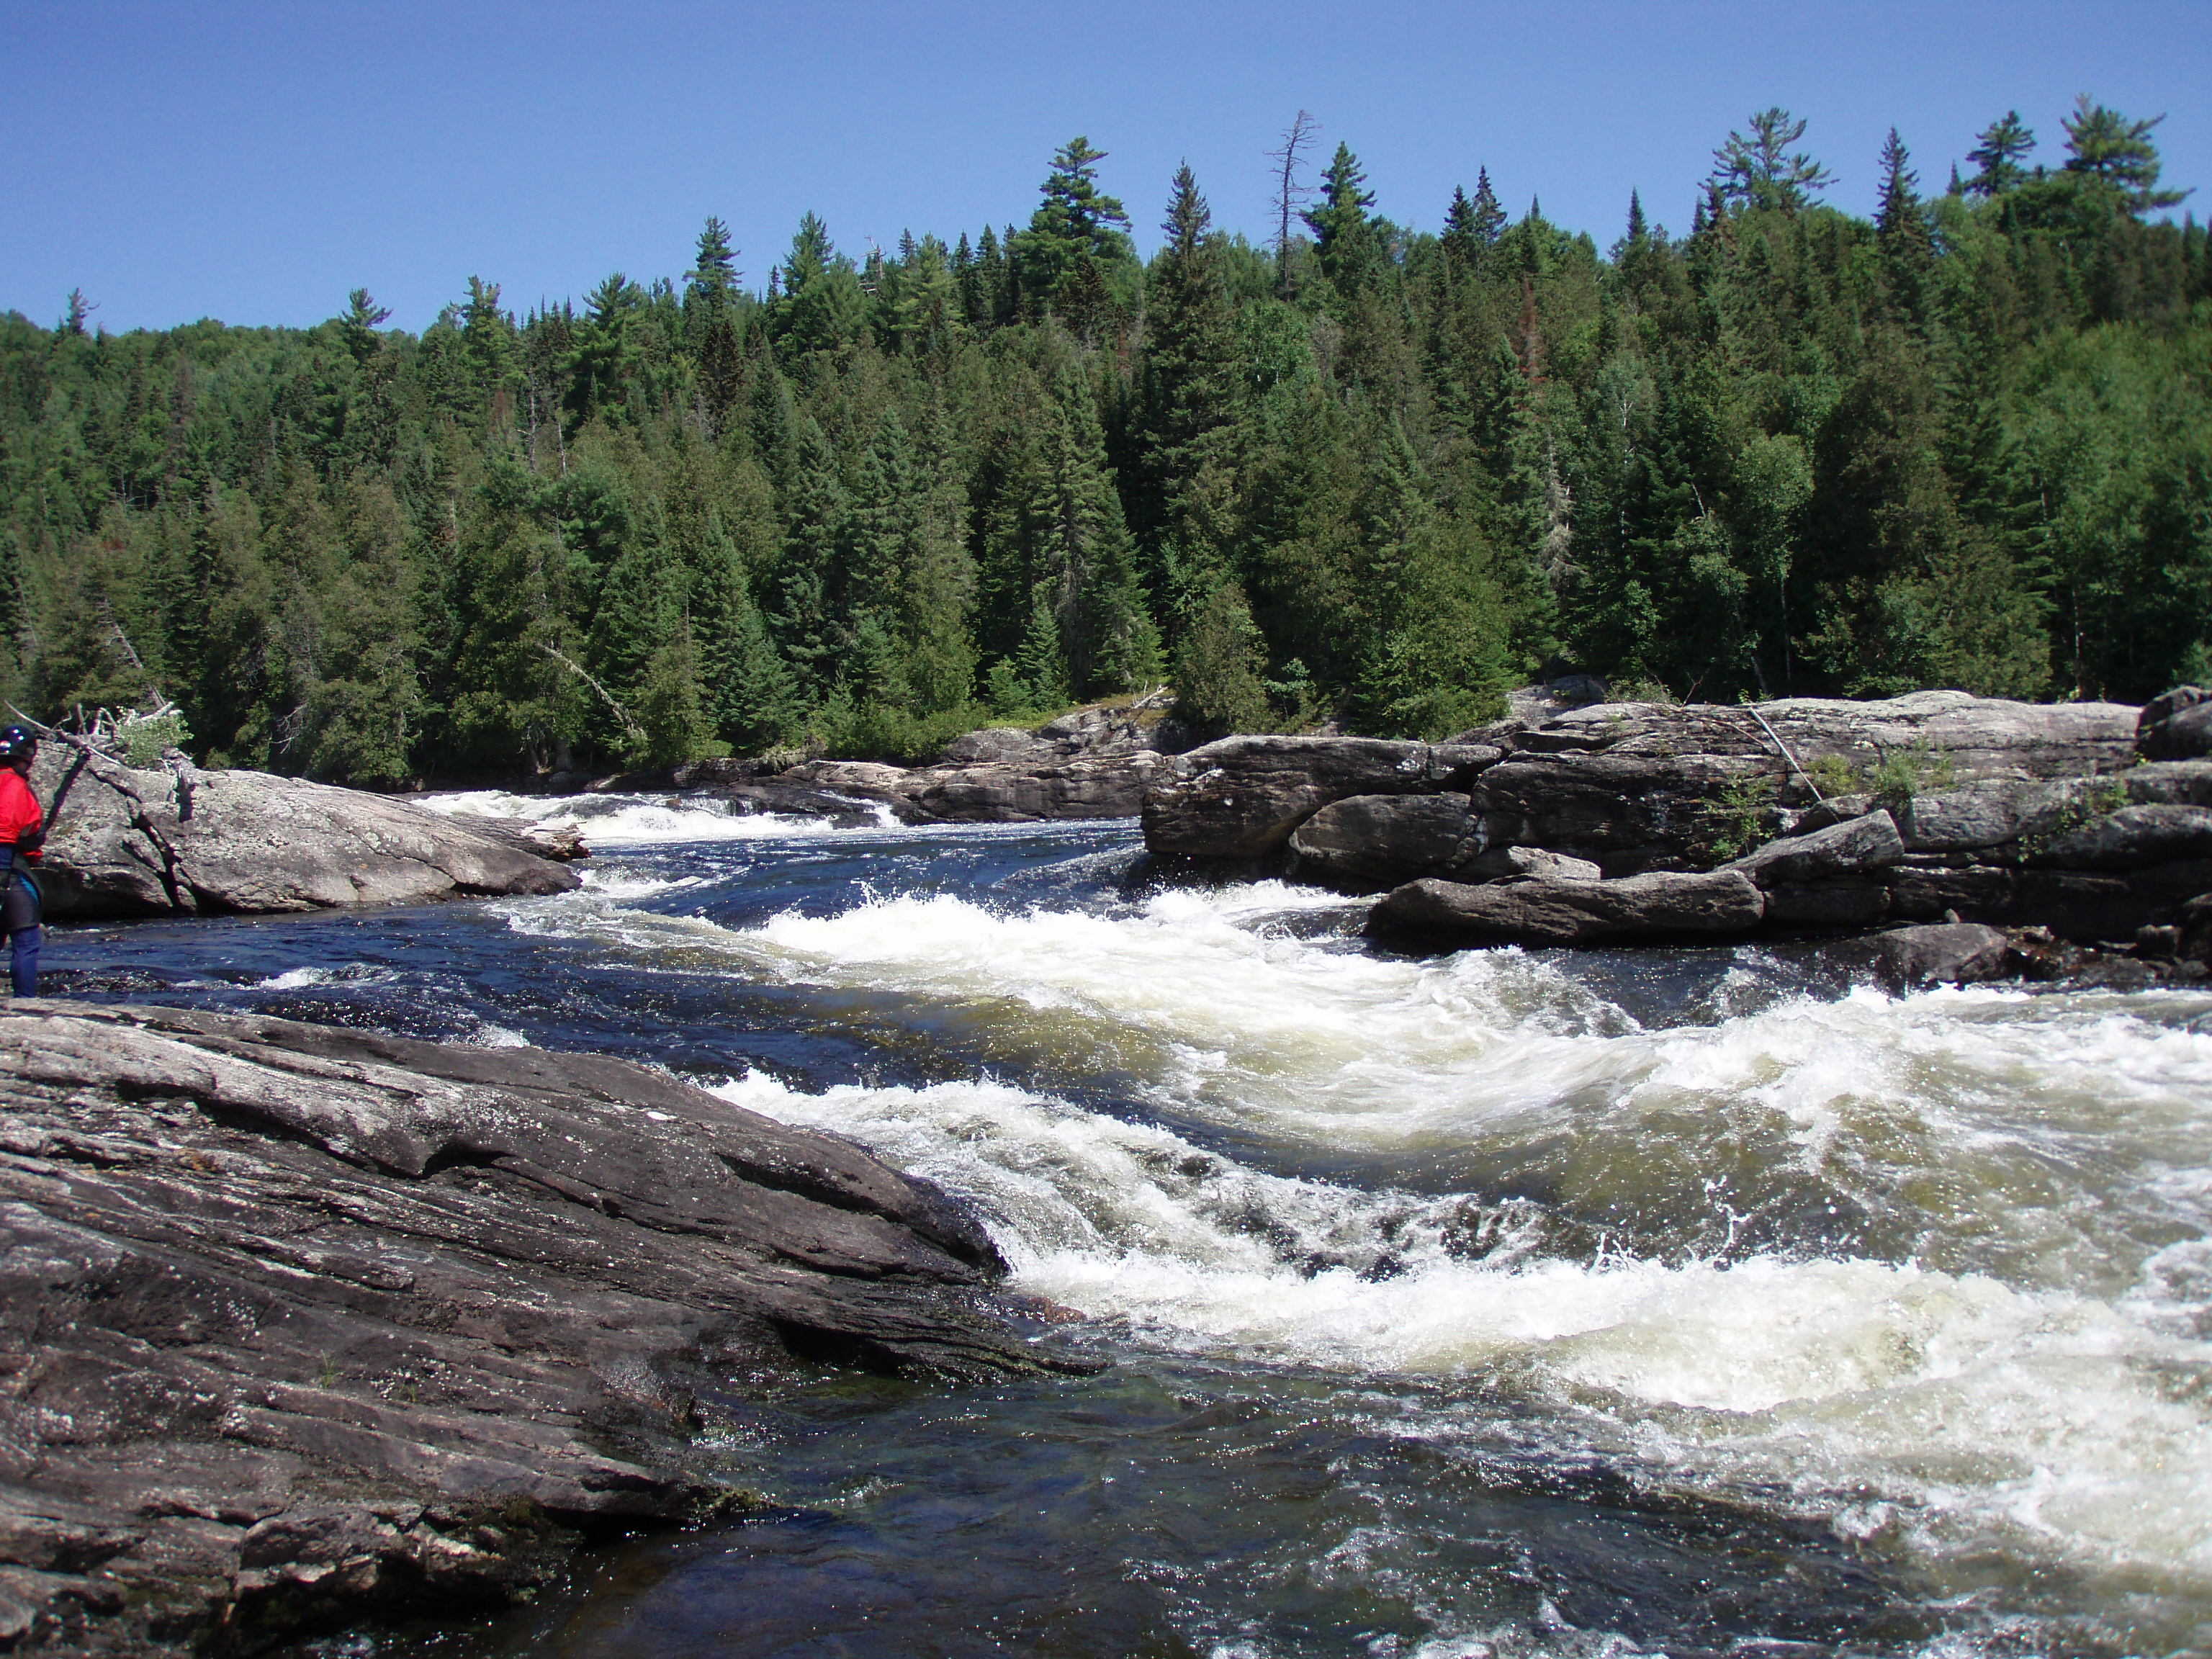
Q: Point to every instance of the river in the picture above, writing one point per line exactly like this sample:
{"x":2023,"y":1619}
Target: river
{"x":1495,"y":1304}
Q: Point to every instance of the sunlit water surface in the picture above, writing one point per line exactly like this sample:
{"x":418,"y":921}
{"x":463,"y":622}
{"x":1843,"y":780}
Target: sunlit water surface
{"x":1498,"y":1303}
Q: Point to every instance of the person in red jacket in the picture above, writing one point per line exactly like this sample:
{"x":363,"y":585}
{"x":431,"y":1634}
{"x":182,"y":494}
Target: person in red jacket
{"x":22,"y":830}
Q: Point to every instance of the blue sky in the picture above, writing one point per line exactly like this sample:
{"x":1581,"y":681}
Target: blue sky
{"x":253,"y":163}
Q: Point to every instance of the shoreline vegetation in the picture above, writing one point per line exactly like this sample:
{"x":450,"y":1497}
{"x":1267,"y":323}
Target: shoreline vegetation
{"x":1365,"y":477}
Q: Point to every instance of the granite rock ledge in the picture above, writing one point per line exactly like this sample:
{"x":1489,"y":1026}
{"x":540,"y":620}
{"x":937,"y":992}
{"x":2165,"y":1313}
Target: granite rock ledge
{"x":301,"y":1327}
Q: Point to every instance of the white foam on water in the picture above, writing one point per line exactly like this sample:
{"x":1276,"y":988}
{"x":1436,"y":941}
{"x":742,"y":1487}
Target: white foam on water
{"x":2028,"y":1373}
{"x":637,"y":820}
{"x":1957,"y":1407}
{"x":620,"y":885}
{"x":296,"y":978}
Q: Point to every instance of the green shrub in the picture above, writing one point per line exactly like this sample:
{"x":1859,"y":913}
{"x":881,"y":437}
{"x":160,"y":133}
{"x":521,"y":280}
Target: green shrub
{"x":1902,"y":773}
{"x":1738,"y":817}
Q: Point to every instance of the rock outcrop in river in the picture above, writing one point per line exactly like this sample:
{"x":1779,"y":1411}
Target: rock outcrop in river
{"x":1823,"y":814}
{"x":300,"y":1324}
{"x":1095,"y":762}
{"x":182,"y":841}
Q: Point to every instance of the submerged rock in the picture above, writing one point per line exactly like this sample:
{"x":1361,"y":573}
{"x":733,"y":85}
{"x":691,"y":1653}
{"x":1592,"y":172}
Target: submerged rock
{"x":300,"y":1325}
{"x":137,"y":843}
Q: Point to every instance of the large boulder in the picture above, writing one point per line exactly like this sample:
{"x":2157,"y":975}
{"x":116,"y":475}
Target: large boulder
{"x":1868,"y":843}
{"x":132,"y":843}
{"x":1975,"y":819}
{"x":1952,"y":953}
{"x":302,"y":1324}
{"x":2123,"y":838}
{"x":2177,"y":726}
{"x":1641,"y":786}
{"x":1954,"y":731}
{"x":1370,"y":843}
{"x":1108,"y":785}
{"x":1242,"y":797}
{"x":2169,"y":783}
{"x":2195,"y":929}
{"x":1000,"y":745}
{"x":1629,"y":812}
{"x":1660,"y":905}
{"x":1366,"y":843}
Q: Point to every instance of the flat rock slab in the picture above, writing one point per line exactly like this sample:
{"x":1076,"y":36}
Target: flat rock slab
{"x":300,"y":1324}
{"x":1662,"y":905}
{"x":135,"y":843}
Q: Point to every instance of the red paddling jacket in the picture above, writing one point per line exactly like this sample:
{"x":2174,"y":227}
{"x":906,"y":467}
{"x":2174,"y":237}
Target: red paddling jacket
{"x":21,"y":820}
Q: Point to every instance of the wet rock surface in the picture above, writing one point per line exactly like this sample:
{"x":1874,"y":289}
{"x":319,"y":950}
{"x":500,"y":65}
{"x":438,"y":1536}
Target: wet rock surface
{"x":1944,"y":953}
{"x":137,"y":843}
{"x":300,"y":1326}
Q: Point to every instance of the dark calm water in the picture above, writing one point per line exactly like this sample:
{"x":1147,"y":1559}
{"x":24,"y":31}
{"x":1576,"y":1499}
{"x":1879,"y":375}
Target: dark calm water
{"x":1496,"y":1304}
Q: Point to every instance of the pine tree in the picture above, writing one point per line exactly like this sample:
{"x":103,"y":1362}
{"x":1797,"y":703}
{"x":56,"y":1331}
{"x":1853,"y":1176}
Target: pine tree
{"x":357,"y":326}
{"x":1076,"y":238}
{"x":490,"y":349}
{"x":1997,"y":155}
{"x":1487,"y":219}
{"x":1041,"y":662}
{"x":823,"y":307}
{"x":1758,"y":170}
{"x":1908,"y":249}
{"x":2104,"y":145}
{"x":710,"y":287}
{"x":809,"y":571}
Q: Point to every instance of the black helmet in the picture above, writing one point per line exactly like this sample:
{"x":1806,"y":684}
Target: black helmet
{"x":15,"y":742}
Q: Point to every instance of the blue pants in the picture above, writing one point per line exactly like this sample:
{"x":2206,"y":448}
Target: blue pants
{"x":21,"y":910}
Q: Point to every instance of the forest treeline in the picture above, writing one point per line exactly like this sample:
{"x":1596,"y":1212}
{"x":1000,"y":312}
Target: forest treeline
{"x":1355,"y":472}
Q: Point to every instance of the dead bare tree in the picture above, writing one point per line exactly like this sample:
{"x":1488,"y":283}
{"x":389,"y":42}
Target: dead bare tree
{"x":1299,"y":135}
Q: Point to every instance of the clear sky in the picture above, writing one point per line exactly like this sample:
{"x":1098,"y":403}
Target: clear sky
{"x":255,"y":162}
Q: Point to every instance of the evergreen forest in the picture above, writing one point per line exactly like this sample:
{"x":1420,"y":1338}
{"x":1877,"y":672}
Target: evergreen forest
{"x":1346,"y":471}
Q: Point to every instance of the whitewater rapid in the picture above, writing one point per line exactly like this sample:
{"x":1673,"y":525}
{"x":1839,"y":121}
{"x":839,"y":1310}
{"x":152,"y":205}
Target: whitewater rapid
{"x":1934,"y":1271}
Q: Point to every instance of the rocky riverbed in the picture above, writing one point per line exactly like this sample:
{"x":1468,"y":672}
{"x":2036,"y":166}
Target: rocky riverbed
{"x":300,"y":1325}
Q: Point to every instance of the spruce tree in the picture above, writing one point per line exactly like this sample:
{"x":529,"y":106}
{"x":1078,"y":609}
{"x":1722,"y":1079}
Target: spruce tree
{"x":1219,"y":668}
{"x":1188,"y":392}
{"x":1345,"y":238}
